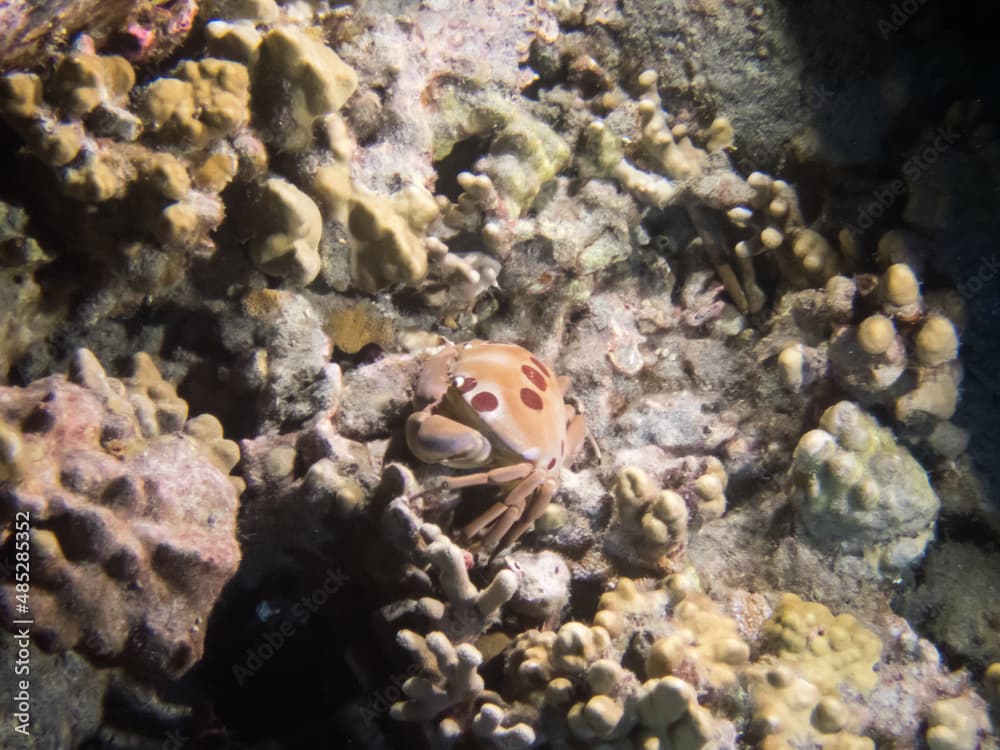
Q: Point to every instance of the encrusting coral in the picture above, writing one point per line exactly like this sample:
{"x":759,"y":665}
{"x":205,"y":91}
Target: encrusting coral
{"x":133,"y":514}
{"x":463,"y":608}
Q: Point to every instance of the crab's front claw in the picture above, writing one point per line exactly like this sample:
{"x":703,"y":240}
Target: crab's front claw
{"x":434,"y":381}
{"x":436,"y":439}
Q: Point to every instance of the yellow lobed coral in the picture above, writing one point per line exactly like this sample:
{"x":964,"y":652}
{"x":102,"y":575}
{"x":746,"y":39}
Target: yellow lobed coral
{"x":830,"y":650}
{"x":629,"y":601}
{"x":809,"y":656}
{"x":705,"y":646}
{"x":387,"y":241}
{"x":80,"y":82}
{"x":670,"y":717}
{"x":791,"y":712}
{"x":297,"y":79}
{"x":206,"y":100}
{"x":289,"y":227}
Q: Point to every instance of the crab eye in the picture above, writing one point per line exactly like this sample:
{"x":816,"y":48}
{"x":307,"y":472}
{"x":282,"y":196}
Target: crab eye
{"x":463,"y":384}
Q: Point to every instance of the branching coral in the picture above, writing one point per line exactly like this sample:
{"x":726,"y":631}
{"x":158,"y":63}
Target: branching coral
{"x":461,"y":610}
{"x":451,"y":678}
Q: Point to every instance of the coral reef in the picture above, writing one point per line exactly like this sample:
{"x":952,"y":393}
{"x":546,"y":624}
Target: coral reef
{"x":306,"y":212}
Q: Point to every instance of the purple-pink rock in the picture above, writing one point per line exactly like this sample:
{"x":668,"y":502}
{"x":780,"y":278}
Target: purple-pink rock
{"x":130,"y":514}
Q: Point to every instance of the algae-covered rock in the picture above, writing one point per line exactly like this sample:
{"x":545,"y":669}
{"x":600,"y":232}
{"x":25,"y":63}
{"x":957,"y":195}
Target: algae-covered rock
{"x":133,"y":514}
{"x":860,"y":492}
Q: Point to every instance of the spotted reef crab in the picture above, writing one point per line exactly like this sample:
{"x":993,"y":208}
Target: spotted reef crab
{"x":496,"y":408}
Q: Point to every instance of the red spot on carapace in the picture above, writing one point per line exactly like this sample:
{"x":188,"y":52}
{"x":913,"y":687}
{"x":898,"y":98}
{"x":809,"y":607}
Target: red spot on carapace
{"x":534,"y":376}
{"x":484,"y":401}
{"x":531,"y":399}
{"x":467,"y":385}
{"x":541,"y":367}
{"x":552,"y":464}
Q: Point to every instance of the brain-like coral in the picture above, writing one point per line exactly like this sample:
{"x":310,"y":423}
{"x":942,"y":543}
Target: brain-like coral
{"x":132,"y":514}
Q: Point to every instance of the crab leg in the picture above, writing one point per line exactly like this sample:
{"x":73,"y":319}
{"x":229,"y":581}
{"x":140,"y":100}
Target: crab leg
{"x":576,"y":433}
{"x":500,"y":475}
{"x":510,"y":510}
{"x":565,"y":383}
{"x":532,"y":514}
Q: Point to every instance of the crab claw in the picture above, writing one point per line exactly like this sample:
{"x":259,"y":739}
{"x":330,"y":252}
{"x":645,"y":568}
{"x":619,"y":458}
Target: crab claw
{"x":437,"y":439}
